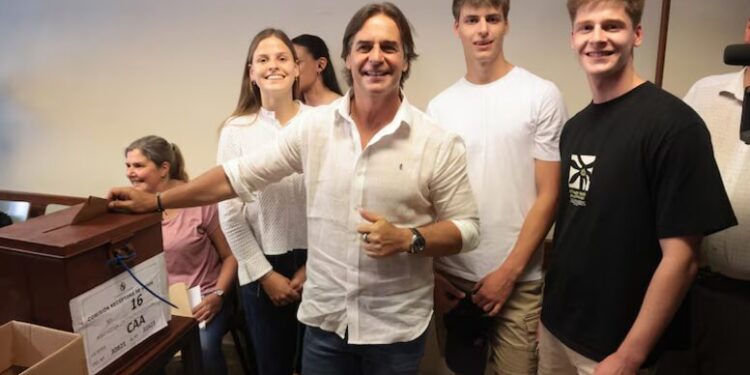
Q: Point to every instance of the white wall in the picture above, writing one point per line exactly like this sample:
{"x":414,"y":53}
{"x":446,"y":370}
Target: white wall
{"x":80,"y":79}
{"x":698,"y":32}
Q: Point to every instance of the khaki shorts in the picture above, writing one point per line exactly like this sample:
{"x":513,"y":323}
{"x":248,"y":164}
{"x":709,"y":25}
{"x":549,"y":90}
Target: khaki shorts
{"x":513,"y":346}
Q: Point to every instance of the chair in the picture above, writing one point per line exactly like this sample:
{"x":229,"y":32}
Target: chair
{"x":17,"y":210}
{"x":29,"y":205}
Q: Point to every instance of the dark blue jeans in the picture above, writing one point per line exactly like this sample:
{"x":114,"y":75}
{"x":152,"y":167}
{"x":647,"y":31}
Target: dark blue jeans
{"x":325,"y":353}
{"x":275,"y":331}
{"x":213,"y":358}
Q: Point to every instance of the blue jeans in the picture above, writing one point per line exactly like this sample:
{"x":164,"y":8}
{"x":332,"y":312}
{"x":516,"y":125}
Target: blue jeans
{"x":325,"y":353}
{"x":213,"y":358}
{"x":275,"y":332}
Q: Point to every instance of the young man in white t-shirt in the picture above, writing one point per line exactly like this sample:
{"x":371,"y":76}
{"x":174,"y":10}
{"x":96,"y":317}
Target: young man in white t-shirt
{"x":510,"y":120}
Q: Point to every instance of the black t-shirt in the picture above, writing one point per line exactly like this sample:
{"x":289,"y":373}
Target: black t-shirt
{"x":634,"y":169}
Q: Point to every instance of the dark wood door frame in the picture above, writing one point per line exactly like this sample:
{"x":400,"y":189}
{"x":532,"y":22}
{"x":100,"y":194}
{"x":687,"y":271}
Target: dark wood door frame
{"x":662,"y":51}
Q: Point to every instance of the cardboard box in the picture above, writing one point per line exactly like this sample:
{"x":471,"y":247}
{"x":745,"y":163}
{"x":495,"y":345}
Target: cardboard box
{"x":30,"y":349}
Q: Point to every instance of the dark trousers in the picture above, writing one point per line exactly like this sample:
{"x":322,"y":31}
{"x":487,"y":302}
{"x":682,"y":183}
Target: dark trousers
{"x":721,"y":329}
{"x":275,"y":332}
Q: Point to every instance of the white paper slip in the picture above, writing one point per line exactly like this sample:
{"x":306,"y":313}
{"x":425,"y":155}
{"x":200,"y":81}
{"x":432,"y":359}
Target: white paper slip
{"x":195,"y":296}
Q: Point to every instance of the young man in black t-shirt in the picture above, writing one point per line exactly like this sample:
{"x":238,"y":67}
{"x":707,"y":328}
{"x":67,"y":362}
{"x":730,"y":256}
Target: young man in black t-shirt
{"x":639,"y":189}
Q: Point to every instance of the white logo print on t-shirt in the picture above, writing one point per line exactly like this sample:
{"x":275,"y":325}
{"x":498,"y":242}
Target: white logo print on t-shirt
{"x":579,"y":179}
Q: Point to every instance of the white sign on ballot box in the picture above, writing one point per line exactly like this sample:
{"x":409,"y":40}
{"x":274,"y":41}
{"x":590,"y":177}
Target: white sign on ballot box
{"x":117,"y":315}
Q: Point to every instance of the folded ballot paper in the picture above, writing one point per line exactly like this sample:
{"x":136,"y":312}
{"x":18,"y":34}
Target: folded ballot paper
{"x":185,"y":299}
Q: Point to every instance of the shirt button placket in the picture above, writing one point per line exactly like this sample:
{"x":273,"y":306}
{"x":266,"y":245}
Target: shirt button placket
{"x":354,"y":255}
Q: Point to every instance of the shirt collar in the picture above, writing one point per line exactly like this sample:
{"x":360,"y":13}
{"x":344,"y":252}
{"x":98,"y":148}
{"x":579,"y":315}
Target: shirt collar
{"x":267,"y":114}
{"x":735,"y":86}
{"x":404,"y":114}
{"x":270,"y":116}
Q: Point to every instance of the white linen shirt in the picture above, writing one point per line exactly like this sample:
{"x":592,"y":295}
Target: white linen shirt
{"x":412,"y":173}
{"x":272,"y":224}
{"x":718,"y":100}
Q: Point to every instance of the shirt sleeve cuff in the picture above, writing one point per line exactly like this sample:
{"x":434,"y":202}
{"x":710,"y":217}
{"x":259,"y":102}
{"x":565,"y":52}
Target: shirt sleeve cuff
{"x":252,"y":269}
{"x":232,"y":171}
{"x":469,"y":233}
{"x":546,"y":153}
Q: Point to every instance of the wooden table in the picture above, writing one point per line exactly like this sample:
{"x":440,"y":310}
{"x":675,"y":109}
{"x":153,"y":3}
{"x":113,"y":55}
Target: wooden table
{"x":152,"y":355}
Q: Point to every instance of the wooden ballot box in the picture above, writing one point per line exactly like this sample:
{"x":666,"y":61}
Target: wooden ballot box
{"x":47,"y":261}
{"x":63,"y":263}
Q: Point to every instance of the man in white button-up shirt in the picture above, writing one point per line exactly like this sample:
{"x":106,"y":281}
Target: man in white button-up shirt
{"x":720,"y":297}
{"x":386,"y":190}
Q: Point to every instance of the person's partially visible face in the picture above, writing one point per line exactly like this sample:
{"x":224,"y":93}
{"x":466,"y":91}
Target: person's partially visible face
{"x":747,"y":31}
{"x":143,"y":173}
{"x":604,"y":38}
{"x":377,"y":59}
{"x":273,"y":67}
{"x":481,"y":30}
{"x":308,"y":68}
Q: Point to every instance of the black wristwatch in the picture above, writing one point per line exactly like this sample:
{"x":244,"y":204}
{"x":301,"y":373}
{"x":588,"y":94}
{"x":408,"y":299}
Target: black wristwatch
{"x":417,"y":242}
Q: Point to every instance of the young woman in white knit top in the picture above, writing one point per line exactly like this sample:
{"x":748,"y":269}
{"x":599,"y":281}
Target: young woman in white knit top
{"x":268,"y":236}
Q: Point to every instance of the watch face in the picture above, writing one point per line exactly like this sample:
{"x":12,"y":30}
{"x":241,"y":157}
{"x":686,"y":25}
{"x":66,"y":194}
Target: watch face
{"x":420,"y":244}
{"x":417,"y":242}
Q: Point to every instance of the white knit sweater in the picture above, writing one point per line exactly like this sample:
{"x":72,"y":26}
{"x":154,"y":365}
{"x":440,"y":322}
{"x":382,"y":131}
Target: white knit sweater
{"x":275,"y":222}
